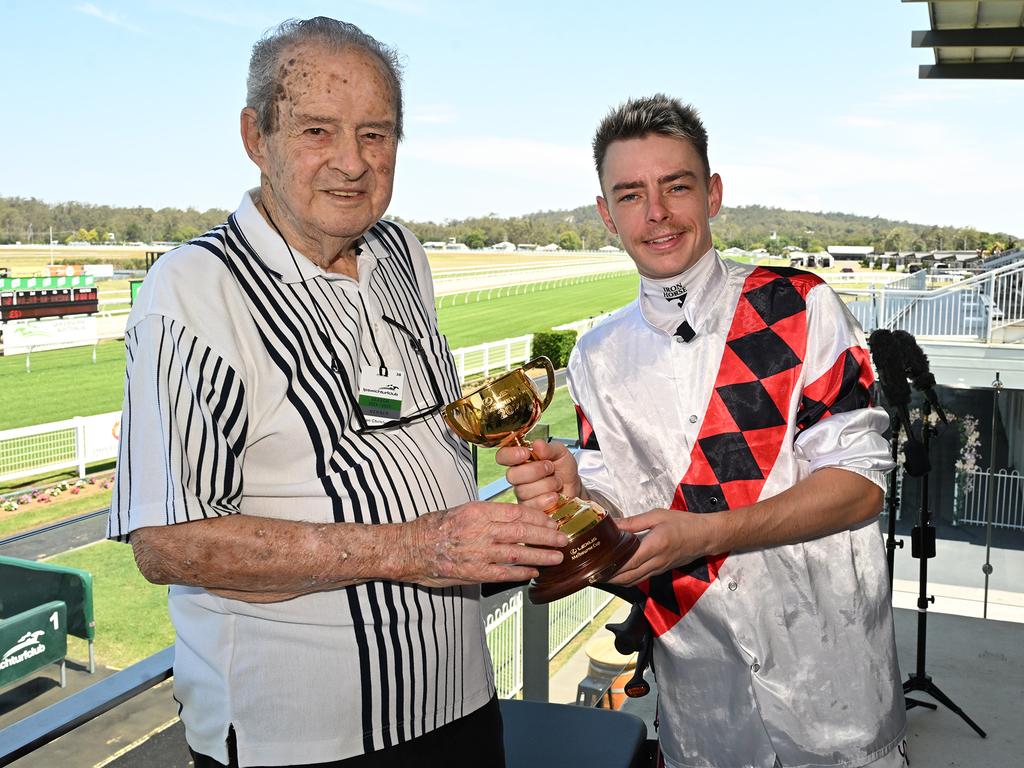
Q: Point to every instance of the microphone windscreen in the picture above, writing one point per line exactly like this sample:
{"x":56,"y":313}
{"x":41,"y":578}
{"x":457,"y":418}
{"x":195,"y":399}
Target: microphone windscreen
{"x":888,"y":361}
{"x":917,"y":463}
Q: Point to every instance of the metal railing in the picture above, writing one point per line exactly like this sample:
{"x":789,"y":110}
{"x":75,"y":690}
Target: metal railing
{"x":973,"y":308}
{"x":571,"y":615}
{"x":504,"y":630}
{"x":971,"y":503}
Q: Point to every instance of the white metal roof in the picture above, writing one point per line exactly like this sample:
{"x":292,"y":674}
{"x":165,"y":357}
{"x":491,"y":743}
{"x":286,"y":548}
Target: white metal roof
{"x":973,"y":39}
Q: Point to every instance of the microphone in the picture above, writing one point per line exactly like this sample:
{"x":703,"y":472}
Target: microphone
{"x":685,"y":332}
{"x":892,"y":376}
{"x":916,"y":363}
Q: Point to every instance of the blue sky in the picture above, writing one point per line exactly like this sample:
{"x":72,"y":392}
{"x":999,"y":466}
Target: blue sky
{"x":810,"y":104}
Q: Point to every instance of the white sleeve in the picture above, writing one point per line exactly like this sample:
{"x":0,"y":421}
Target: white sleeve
{"x":183,"y":430}
{"x":837,"y":423}
{"x":593,"y":472}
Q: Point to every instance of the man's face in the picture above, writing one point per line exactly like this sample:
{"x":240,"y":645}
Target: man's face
{"x":330,"y":160}
{"x":658,"y":202}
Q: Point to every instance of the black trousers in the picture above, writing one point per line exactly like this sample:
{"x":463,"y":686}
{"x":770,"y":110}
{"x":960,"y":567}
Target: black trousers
{"x":473,"y":741}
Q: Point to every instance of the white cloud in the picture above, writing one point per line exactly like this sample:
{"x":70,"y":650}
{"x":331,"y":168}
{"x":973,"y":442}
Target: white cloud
{"x":90,"y":9}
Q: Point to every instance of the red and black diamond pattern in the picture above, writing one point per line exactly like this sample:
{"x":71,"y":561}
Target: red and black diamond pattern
{"x":588,"y":440}
{"x":845,"y":387}
{"x":744,"y":427}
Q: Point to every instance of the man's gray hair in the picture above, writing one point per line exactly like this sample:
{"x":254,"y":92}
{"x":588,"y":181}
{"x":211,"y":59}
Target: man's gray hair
{"x":658,"y":114}
{"x":263,"y":84}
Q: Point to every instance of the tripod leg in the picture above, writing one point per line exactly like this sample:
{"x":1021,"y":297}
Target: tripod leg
{"x":932,"y":689}
{"x":911,"y":703}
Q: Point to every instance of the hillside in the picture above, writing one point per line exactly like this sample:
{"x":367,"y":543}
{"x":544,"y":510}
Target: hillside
{"x":30,"y":220}
{"x":744,"y":227}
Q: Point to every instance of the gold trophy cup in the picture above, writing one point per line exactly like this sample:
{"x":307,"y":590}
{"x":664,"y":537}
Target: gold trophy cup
{"x":500,"y":413}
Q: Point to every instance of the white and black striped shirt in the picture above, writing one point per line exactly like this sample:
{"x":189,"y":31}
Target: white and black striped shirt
{"x":242,"y":371}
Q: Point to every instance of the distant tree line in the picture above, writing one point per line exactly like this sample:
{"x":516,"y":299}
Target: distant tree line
{"x":748,"y":227}
{"x":29,"y":220}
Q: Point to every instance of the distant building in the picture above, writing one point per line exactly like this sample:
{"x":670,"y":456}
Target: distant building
{"x":504,"y":245}
{"x":817,"y":260}
{"x":957,"y":258}
{"x":850,"y":251}
{"x":433,"y":245}
{"x":550,"y":247}
{"x":609,"y":249}
{"x":526,"y":246}
{"x":451,"y":245}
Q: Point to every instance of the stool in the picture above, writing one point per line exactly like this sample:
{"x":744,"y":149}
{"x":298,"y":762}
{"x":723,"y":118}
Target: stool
{"x":607,"y":673}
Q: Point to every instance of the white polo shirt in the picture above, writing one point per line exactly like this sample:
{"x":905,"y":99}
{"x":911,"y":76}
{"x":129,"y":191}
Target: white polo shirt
{"x":243,"y":365}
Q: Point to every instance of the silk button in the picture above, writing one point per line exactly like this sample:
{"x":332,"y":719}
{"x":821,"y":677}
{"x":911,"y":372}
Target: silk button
{"x":732,"y":586}
{"x":755,"y":667}
{"x":693,"y":418}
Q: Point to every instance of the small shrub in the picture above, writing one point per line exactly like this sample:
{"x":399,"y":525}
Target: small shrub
{"x":556,"y":345}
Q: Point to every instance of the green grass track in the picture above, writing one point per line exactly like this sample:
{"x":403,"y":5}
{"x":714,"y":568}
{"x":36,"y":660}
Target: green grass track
{"x":66,"y":382}
{"x":517,"y":315}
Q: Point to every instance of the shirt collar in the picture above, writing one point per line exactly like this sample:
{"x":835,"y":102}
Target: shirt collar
{"x":271,"y":250}
{"x":700,"y":285}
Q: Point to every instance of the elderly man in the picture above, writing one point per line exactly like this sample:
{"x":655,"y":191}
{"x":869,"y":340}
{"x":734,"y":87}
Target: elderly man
{"x":727,"y":415}
{"x":283,"y":463}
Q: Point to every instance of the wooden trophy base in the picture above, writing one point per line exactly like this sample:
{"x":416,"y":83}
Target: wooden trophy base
{"x":593,"y":554}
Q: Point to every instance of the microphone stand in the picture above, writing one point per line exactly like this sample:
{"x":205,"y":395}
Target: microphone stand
{"x":892,"y":502}
{"x":922,"y":547}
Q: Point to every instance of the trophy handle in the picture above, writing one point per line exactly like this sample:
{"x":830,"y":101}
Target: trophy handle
{"x":549,"y":369}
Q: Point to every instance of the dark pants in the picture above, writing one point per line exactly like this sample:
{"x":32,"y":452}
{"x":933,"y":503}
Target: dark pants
{"x":474,"y":741}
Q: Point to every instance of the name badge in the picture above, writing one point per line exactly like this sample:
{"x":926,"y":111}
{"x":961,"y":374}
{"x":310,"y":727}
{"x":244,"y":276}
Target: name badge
{"x":380,"y":395}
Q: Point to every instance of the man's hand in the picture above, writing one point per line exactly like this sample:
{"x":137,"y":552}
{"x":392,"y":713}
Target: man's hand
{"x":828,"y":501}
{"x":674,"y":539}
{"x":538,"y":483}
{"x":480,"y":542}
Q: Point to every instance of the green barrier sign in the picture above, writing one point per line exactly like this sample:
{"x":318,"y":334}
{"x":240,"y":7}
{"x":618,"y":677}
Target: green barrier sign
{"x":135,"y":285}
{"x":45,"y":283}
{"x":32,"y":639}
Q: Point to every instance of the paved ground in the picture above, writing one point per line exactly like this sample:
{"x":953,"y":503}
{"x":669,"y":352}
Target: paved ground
{"x":60,"y":540}
{"x":42,"y":690}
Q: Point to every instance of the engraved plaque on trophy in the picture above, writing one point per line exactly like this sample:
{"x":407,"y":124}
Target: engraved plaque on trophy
{"x":499,"y":413}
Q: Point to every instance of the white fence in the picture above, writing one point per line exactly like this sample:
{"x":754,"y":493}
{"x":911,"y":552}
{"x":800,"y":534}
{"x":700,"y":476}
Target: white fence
{"x":504,"y":627}
{"x":29,"y":451}
{"x":582,"y":326}
{"x":522,"y":285}
{"x":495,"y":356}
{"x":1007,"y":489}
